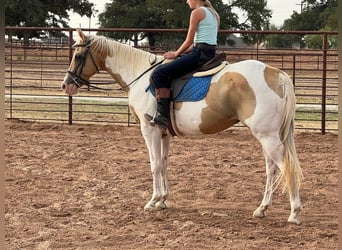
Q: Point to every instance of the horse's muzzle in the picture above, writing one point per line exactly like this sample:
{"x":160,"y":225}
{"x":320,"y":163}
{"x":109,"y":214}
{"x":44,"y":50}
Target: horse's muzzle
{"x":70,"y":85}
{"x":69,"y":88}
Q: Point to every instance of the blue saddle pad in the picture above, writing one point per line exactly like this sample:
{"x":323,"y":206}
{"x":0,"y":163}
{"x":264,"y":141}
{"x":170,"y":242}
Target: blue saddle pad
{"x":194,"y":90}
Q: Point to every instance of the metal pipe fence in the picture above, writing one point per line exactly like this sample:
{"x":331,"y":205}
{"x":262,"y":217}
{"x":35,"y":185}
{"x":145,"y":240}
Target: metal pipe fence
{"x":34,"y":72}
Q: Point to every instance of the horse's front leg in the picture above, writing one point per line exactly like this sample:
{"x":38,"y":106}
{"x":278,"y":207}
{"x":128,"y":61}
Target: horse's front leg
{"x":158,"y":147}
{"x":165,"y":146}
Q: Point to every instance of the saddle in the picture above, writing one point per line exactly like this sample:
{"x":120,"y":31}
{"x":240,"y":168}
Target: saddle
{"x":211,"y":67}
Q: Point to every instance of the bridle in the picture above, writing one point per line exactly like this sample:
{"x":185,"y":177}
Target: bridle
{"x":76,"y":74}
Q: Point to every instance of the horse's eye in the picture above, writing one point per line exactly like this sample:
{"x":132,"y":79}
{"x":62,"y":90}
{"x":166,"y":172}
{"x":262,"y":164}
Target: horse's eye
{"x":78,"y":56}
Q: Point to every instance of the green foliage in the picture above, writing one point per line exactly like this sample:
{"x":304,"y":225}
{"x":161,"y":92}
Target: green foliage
{"x":317,"y":15}
{"x":174,"y":14}
{"x":280,"y":40}
{"x":39,"y":13}
{"x":316,"y":42}
{"x":313,"y":41}
{"x":329,"y":17}
{"x":255,"y":13}
{"x":142,"y":14}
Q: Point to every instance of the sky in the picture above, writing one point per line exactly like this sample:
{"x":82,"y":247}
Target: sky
{"x":281,"y":10}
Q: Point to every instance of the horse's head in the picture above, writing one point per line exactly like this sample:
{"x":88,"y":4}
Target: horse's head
{"x":83,"y":65}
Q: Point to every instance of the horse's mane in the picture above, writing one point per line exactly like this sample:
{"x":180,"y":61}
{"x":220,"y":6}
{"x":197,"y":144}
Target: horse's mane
{"x":123,"y":53}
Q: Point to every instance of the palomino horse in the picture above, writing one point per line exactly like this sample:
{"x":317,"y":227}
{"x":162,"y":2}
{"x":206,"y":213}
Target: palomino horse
{"x":258,"y":95}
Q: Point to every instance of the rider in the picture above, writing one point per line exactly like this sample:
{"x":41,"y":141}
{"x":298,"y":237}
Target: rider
{"x":201,"y":42}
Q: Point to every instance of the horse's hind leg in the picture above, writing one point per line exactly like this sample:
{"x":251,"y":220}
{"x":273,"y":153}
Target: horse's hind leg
{"x":274,"y":151}
{"x":295,"y":202}
{"x":271,"y":169}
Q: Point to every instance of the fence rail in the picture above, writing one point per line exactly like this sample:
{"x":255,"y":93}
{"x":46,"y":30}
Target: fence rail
{"x":34,"y":73}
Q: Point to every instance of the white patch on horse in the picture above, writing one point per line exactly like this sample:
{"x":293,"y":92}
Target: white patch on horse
{"x":189,"y":117}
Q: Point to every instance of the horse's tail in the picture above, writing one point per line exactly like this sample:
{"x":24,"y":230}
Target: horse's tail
{"x":291,"y":173}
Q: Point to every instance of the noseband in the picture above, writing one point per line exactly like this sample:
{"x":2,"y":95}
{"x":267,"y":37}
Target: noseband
{"x":76,"y":74}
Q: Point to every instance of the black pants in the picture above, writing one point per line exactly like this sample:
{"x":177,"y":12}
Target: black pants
{"x":163,"y":75}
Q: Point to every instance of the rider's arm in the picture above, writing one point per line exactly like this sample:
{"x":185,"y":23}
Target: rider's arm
{"x":196,"y":16}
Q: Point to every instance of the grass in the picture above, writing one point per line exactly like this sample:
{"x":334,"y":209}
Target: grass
{"x":311,"y":118}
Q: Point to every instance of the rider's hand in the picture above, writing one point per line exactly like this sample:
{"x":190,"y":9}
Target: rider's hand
{"x":170,"y":55}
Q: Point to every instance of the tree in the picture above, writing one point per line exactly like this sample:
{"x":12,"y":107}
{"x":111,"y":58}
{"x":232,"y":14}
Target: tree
{"x":316,"y":15}
{"x":255,"y":14}
{"x":280,"y":40}
{"x":127,"y":14}
{"x":39,"y":13}
{"x":329,"y":23}
{"x":174,"y":14}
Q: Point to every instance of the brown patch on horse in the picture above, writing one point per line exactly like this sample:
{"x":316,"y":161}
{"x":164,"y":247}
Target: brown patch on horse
{"x":271,"y":75}
{"x":177,"y":105}
{"x":229,"y":100}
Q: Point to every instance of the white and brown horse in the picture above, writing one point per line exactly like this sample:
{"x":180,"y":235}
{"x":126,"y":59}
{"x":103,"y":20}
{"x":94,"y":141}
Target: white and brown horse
{"x":258,"y":95}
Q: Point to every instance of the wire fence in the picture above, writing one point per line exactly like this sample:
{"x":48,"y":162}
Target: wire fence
{"x":34,"y":73}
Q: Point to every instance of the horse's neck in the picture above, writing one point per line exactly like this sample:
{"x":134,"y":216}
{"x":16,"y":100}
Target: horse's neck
{"x":125,"y":63}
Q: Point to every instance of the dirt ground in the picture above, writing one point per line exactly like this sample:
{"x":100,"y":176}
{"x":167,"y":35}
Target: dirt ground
{"x":85,"y":186}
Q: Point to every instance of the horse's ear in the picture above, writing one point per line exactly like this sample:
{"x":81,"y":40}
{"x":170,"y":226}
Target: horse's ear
{"x":81,"y":35}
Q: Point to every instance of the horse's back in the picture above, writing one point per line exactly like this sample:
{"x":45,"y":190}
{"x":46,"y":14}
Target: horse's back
{"x":265,"y":80}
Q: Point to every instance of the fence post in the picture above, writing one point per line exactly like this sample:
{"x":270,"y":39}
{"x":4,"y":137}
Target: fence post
{"x":70,"y":110}
{"x":11,"y":82}
{"x":294,"y":70}
{"x":324,"y":81}
{"x":128,"y":116}
{"x":41,"y":66}
{"x":70,"y":45}
{"x":70,"y":97}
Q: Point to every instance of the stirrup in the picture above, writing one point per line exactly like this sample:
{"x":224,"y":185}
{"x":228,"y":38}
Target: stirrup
{"x":154,"y":122}
{"x":150,"y":118}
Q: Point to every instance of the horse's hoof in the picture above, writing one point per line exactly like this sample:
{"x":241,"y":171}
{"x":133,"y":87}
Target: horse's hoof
{"x":161,"y":205}
{"x":293,"y":220}
{"x":259,"y":213}
{"x":149,"y":207}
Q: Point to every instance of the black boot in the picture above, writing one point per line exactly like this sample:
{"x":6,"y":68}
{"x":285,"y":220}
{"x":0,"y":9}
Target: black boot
{"x":162,"y":115}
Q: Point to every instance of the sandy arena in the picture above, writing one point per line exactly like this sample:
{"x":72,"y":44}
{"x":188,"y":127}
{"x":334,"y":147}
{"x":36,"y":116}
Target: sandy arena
{"x":85,"y":186}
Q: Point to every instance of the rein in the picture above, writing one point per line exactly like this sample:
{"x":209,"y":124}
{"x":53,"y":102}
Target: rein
{"x":79,"y":81}
{"x":143,"y":73}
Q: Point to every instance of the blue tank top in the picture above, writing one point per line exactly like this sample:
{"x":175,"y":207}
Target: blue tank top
{"x":207,"y":29}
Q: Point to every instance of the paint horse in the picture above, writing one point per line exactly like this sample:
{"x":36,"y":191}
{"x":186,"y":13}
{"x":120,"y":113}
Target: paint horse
{"x":259,"y":96}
